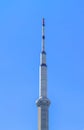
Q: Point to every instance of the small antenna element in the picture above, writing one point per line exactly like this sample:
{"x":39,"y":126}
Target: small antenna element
{"x":43,"y":22}
{"x":43,"y":34}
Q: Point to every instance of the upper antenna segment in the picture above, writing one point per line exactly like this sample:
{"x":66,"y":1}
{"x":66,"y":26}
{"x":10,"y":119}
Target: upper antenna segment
{"x":43,"y":22}
{"x":43,"y":34}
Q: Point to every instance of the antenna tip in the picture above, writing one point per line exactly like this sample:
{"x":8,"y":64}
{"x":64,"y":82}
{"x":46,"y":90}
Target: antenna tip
{"x":43,"y":22}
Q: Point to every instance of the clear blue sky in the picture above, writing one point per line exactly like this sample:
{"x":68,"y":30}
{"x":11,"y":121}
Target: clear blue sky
{"x":20,"y":45}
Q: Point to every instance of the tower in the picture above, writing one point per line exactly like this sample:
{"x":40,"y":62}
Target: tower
{"x":43,"y":102}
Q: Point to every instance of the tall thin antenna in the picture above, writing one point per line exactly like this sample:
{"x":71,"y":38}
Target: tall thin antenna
{"x":43,"y":34}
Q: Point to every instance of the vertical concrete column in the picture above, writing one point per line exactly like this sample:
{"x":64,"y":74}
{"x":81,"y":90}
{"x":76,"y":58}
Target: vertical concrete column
{"x":43,"y":118}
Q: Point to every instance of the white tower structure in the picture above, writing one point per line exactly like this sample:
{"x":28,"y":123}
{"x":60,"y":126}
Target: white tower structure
{"x":43,"y":102}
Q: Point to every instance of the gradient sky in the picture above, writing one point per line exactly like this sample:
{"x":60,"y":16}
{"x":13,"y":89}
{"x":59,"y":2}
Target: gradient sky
{"x":20,"y":45}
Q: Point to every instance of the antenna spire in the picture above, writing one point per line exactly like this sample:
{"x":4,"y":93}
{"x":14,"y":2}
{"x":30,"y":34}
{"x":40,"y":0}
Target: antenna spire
{"x":43,"y":102}
{"x":43,"y":34}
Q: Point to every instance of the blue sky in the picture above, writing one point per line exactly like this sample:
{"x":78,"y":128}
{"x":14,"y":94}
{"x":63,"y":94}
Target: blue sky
{"x":20,"y":45}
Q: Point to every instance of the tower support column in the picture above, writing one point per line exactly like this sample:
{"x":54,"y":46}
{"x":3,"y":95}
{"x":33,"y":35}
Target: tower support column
{"x":43,"y":106}
{"x":43,"y":118}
